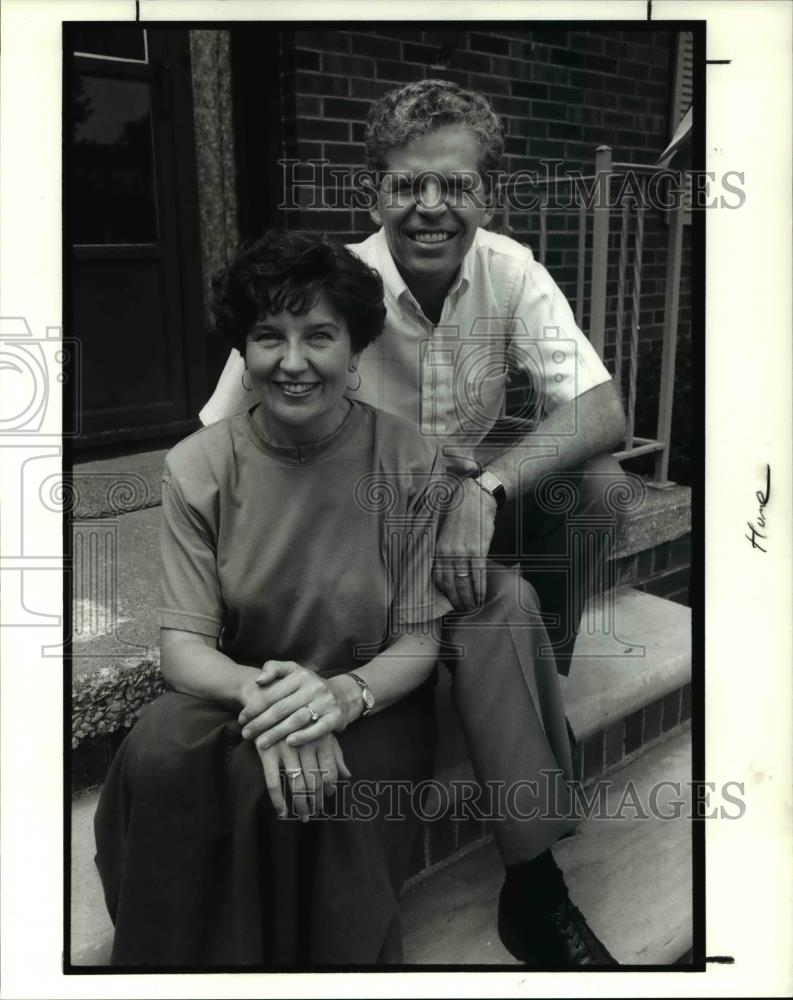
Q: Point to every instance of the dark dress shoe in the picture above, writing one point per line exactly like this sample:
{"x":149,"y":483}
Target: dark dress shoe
{"x":556,"y":938}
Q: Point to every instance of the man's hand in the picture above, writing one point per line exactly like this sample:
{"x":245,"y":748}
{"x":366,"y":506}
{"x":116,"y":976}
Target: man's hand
{"x":462,"y":547}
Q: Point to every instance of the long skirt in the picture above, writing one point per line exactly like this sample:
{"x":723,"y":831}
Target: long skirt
{"x":198,"y":872}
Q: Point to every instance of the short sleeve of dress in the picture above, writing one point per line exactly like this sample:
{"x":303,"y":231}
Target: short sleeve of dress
{"x":190,"y":590}
{"x":412,"y":544}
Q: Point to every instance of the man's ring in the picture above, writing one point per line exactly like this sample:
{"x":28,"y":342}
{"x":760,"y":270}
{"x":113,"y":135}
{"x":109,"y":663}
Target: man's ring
{"x":460,"y":576}
{"x":293,"y":772}
{"x":312,"y":712}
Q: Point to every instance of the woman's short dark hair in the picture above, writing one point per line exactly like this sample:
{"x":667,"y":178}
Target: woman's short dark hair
{"x":411,"y":111}
{"x":289,"y":270}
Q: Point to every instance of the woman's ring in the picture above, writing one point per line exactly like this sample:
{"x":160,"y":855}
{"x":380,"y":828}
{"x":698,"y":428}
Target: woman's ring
{"x":293,"y":772}
{"x":460,"y":576}
{"x":312,"y":712}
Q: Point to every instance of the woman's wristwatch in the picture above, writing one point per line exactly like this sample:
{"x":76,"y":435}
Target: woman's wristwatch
{"x":367,"y":697}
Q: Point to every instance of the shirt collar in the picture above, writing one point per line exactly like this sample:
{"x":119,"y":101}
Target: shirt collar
{"x":466,"y":275}
{"x":394,"y":283}
{"x":311,"y":451}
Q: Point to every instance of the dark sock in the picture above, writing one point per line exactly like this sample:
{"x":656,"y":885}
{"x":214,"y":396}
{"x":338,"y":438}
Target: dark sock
{"x":537,"y":884}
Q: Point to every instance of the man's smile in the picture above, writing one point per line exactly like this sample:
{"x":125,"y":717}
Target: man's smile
{"x":430,"y":236}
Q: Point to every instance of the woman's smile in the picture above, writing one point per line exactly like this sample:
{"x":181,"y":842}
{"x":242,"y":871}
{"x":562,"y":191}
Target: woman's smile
{"x":297,"y":389}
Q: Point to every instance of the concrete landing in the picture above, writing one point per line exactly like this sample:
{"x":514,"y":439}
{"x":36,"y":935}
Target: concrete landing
{"x":630,"y":876}
{"x":115,"y":590}
{"x":451,"y":918}
{"x":91,"y":927}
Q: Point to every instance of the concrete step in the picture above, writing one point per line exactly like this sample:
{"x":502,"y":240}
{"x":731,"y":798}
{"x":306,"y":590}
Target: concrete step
{"x":115,"y":651}
{"x":630,"y":877}
{"x":633,"y":650}
{"x":107,"y":487}
{"x":449,"y":918}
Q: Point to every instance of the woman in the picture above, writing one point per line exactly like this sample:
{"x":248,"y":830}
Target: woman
{"x":296,"y":634}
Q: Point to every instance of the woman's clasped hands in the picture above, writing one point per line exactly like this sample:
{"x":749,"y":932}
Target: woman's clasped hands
{"x":291,"y":713}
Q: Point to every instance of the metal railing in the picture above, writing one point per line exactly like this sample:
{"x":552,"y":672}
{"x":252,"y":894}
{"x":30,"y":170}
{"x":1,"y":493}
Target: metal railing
{"x":631,"y":214}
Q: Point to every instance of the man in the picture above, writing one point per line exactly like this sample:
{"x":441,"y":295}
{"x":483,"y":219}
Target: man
{"x":466,"y":307}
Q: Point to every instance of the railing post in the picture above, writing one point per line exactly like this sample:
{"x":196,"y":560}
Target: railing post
{"x":669,"y":352}
{"x":579,"y":286}
{"x":636,"y":313}
{"x":623,"y":266}
{"x":600,"y":245}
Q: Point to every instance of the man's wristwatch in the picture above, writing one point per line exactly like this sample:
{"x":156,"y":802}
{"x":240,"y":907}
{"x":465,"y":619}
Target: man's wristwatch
{"x":366,"y":693}
{"x":492,"y":484}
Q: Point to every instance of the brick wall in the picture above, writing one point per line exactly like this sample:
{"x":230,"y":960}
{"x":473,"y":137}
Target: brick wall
{"x":664,"y":570}
{"x":625,"y":739}
{"x":561,"y":93}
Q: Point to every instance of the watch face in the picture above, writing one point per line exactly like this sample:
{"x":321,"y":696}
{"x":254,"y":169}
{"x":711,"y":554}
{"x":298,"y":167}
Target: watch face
{"x":494,"y":487}
{"x":489,"y":481}
{"x":368,"y":699}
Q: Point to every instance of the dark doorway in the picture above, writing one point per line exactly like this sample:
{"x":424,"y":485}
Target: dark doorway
{"x":131,"y":224}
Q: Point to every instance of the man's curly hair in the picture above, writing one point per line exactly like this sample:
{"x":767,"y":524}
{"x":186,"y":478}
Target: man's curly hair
{"x":411,"y":111}
{"x":289,"y":270}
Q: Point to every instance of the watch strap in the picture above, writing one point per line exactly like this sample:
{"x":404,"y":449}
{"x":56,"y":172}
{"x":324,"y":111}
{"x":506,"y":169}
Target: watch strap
{"x":368,"y":702}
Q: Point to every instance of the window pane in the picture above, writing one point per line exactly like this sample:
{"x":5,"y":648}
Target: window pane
{"x":113,"y":178}
{"x":119,"y":41}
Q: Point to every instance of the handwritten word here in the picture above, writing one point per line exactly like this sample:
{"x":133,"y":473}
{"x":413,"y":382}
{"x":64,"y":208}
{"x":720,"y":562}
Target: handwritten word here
{"x":757,"y":531}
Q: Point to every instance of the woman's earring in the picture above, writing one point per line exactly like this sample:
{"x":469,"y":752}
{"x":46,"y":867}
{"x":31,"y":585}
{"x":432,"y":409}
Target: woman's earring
{"x":247,"y":388}
{"x":354,"y":388}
